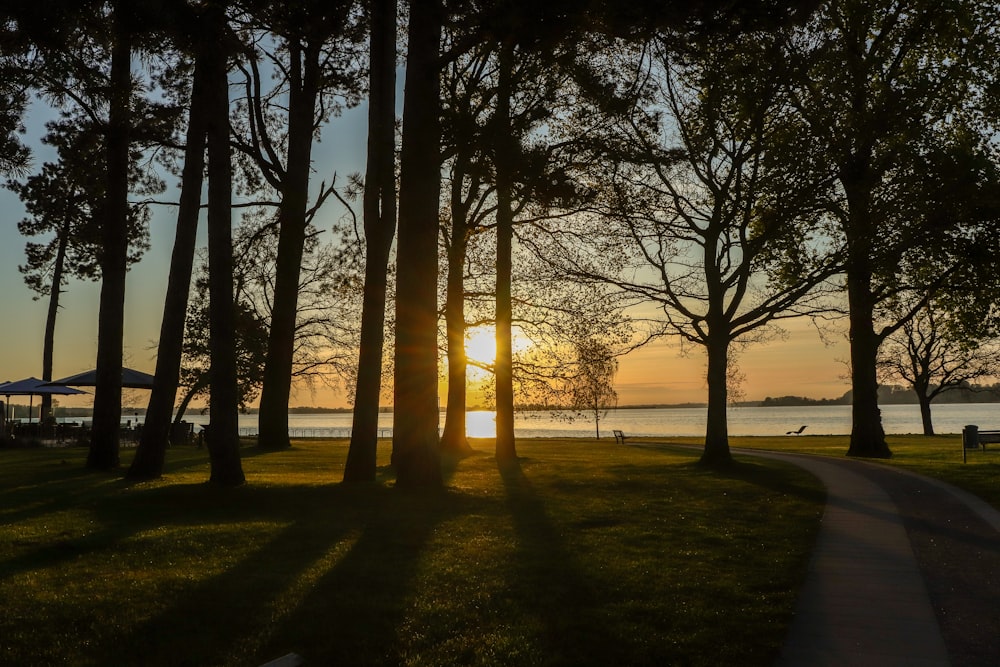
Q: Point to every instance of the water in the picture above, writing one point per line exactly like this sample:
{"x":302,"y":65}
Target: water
{"x":819,"y":420}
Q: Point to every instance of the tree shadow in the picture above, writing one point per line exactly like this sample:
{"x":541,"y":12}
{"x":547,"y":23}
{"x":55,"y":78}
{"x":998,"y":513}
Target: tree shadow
{"x":336,"y":578}
{"x":567,"y":603}
{"x":364,"y":598}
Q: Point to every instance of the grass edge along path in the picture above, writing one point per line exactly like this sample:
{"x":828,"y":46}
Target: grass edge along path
{"x":937,"y":456}
{"x":583,"y":554}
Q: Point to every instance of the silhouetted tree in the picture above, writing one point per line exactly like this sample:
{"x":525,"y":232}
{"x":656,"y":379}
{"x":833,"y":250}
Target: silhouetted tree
{"x":935,"y":352}
{"x":380,"y":228}
{"x":592,"y":387}
{"x":891,"y":96}
{"x":315,"y":60}
{"x":415,"y":415}
{"x":150,"y":454}
{"x":63,"y":200}
{"x":223,"y":441}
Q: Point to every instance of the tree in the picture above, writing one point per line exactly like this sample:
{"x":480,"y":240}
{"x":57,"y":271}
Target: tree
{"x":80,"y":61}
{"x":111,"y":323}
{"x":892,"y":95}
{"x":14,"y":155}
{"x":592,"y":388}
{"x":223,"y":441}
{"x":315,"y":62}
{"x":149,"y":456}
{"x":250,"y":346}
{"x":718,"y":225}
{"x":465,"y":101}
{"x":380,"y":227}
{"x":63,"y":200}
{"x":935,"y":352}
{"x":504,"y":156}
{"x":415,"y":414}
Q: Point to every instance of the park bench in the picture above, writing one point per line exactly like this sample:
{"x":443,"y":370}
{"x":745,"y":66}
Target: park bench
{"x":976,"y":438}
{"x":620,"y":437}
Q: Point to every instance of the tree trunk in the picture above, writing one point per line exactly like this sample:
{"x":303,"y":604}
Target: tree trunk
{"x":716,"y":451}
{"x":50,"y":318}
{"x":103,"y":454}
{"x":455,"y":439}
{"x":200,"y":383}
{"x":415,"y":415}
{"x":867,"y":436}
{"x":925,"y":412}
{"x":380,"y":226}
{"x":149,"y":456}
{"x":277,"y":384}
{"x":505,"y":445}
{"x":223,"y":441}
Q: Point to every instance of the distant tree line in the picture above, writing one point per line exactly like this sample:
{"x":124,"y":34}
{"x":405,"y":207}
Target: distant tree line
{"x":891,"y":395}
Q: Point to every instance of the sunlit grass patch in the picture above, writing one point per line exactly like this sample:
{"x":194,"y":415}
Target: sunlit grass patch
{"x":583,"y":554}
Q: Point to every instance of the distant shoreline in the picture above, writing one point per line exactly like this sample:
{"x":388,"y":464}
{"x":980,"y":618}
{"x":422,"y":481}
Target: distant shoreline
{"x":888,"y":395}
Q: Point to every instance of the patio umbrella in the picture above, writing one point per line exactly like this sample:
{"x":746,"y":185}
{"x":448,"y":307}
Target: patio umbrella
{"x":131,"y":379}
{"x":32,"y":387}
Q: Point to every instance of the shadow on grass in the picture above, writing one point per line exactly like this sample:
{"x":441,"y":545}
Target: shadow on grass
{"x":568,"y":611}
{"x":336,"y":578}
{"x":122,"y":507}
{"x":354,"y":611}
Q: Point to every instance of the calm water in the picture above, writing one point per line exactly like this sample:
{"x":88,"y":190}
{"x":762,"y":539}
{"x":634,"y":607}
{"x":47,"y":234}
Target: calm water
{"x":823,"y":420}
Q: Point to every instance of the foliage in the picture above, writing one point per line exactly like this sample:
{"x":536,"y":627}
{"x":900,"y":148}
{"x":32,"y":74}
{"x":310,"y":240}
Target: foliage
{"x":329,"y":297}
{"x":325,"y":333}
{"x":250,"y":346}
{"x":64,"y":200}
{"x":592,"y":388}
{"x":275,"y":40}
{"x":712,"y":226}
{"x":895,"y":100}
{"x":936,"y":351}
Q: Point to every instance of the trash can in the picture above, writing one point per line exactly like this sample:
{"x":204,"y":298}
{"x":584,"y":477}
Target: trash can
{"x":970,"y":436}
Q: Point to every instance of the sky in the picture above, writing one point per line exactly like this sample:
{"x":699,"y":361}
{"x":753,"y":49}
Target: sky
{"x":798,"y":363}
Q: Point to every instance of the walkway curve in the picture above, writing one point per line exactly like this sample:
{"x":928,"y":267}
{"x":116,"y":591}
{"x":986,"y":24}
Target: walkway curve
{"x":886,"y":585}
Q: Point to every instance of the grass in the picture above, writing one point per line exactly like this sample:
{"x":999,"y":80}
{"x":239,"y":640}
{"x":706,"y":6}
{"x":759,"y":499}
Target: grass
{"x":938,"y":456}
{"x":583,"y":554}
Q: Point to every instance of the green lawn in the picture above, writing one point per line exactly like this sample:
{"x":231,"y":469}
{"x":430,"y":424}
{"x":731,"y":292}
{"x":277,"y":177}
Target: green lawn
{"x":587,"y":554}
{"x":937,"y":456}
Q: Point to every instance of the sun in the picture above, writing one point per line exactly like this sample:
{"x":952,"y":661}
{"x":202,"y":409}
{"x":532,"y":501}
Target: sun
{"x":481,"y":345}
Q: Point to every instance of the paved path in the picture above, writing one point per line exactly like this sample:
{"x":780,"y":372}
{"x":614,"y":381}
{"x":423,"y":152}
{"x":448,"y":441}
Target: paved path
{"x":906,"y":571}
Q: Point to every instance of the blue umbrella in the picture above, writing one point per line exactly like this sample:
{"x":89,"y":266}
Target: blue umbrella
{"x":31,"y":387}
{"x":131,"y":379}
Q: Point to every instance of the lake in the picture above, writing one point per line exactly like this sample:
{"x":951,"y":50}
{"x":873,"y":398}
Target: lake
{"x":819,"y":420}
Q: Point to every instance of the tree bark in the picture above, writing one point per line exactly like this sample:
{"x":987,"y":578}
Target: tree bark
{"x":380,"y":227}
{"x":867,"y":436}
{"x":150,"y":454}
{"x":277,"y":385}
{"x":104,"y":445}
{"x":505,"y":446}
{"x":455,"y":439}
{"x":716,"y":452}
{"x":223,"y":441}
{"x":415,"y":416}
{"x":925,"y":414}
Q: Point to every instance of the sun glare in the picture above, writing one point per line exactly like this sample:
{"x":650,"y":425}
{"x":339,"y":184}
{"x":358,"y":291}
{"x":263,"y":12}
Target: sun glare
{"x":481,"y":345}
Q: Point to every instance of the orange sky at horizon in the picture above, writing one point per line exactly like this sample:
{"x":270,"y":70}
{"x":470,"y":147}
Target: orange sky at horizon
{"x":795,"y":364}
